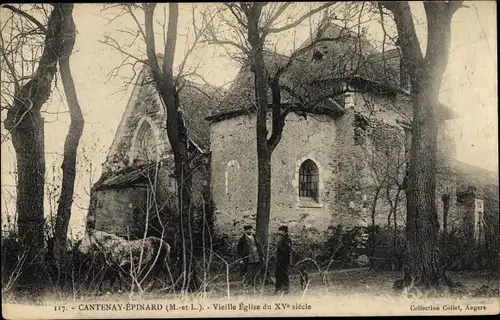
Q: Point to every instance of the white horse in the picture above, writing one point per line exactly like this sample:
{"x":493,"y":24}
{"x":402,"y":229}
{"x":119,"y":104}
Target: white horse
{"x":138,"y":258}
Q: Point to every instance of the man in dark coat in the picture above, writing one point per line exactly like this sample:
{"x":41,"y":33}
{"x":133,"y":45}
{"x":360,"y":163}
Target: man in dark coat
{"x":283,"y":251}
{"x":250,"y":254}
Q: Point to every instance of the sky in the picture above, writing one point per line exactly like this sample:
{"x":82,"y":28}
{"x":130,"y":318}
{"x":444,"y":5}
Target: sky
{"x":469,"y":88}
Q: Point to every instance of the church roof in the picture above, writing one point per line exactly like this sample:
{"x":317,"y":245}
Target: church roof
{"x":196,"y":102}
{"x":476,"y":176}
{"x":240,"y":96}
{"x":127,"y":177}
{"x":350,"y":58}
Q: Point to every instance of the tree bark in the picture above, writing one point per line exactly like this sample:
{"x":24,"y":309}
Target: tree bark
{"x":263,"y":151}
{"x":374,"y":207}
{"x":373,"y":212}
{"x":25,"y":123}
{"x":177,"y":136}
{"x":396,"y":203}
{"x":422,"y":223}
{"x":422,"y":265}
{"x":446,"y":210}
{"x":395,"y":237}
{"x":264,"y":201}
{"x":70,"y":145}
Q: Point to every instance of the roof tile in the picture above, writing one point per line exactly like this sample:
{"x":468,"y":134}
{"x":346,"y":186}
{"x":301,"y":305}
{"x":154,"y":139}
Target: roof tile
{"x":345,"y":59}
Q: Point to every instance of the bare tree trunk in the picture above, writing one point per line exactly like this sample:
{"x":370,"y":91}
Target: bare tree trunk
{"x":374,"y":210}
{"x":176,"y":132}
{"x":183,"y":176}
{"x":264,"y":201}
{"x":28,"y":140}
{"x":374,"y":207}
{"x":25,"y":124}
{"x":393,"y":215}
{"x":395,"y":210}
{"x":70,"y":145}
{"x":422,"y":265}
{"x":446,"y":209}
{"x":263,"y":149}
{"x":396,"y":203}
{"x":422,"y":224}
{"x":389,"y":217}
{"x":395,"y":237}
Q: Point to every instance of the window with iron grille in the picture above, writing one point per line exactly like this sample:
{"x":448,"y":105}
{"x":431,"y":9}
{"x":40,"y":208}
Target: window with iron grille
{"x":308,"y":180}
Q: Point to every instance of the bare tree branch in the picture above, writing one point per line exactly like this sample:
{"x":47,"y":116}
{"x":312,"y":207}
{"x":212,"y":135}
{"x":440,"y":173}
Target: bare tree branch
{"x":114,"y":44}
{"x":9,"y":65}
{"x":141,"y":30}
{"x":407,"y":34}
{"x":453,"y":6}
{"x":236,"y":14}
{"x":198,"y":35}
{"x":300,"y":20}
{"x":26,"y":15}
{"x":170,"y":44}
{"x":277,"y":14}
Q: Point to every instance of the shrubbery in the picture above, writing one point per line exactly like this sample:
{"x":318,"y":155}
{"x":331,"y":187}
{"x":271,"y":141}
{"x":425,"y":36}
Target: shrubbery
{"x":461,"y":253}
{"x":73,"y":273}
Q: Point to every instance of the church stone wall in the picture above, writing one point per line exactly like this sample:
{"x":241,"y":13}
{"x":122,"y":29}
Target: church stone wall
{"x":383,"y":128}
{"x":144,"y":106}
{"x":331,"y":143}
{"x":234,"y":174}
{"x":342,"y":148}
{"x":117,"y":211}
{"x":123,"y":208}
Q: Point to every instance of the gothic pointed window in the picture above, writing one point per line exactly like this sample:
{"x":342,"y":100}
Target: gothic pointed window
{"x":308,"y":180}
{"x":145,"y":144}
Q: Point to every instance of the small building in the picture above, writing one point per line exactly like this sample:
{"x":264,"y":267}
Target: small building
{"x":335,"y":160}
{"x":341,"y":161}
{"x":137,"y":182}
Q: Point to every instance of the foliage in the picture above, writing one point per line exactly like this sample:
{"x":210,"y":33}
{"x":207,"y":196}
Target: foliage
{"x":74,"y":274}
{"x":10,"y":254}
{"x":462,"y":253}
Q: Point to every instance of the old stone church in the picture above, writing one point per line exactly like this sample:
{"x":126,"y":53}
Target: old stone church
{"x":340,"y":162}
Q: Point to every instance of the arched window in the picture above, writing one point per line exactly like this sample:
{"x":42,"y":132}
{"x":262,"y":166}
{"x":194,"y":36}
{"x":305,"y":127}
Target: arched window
{"x":145,"y":144}
{"x":308,"y":180}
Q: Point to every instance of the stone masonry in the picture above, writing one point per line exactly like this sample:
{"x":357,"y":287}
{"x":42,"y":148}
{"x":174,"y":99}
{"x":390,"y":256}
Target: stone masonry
{"x":341,"y":147}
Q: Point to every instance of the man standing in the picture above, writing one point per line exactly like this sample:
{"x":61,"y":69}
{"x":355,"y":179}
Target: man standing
{"x":250,"y":253}
{"x":283,"y":249}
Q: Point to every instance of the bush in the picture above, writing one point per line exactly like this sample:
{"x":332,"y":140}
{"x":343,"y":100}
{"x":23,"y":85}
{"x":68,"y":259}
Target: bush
{"x":74,"y":273}
{"x":344,"y":244}
{"x":11,"y":256}
{"x":384,"y":246}
{"x":462,"y":253}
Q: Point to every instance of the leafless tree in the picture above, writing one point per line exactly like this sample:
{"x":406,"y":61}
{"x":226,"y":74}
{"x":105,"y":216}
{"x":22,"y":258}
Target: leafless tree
{"x":422,"y":265}
{"x":244,"y":30}
{"x":387,"y":167}
{"x":387,"y":154}
{"x":29,"y":89}
{"x":168,"y":83}
{"x":70,"y":145}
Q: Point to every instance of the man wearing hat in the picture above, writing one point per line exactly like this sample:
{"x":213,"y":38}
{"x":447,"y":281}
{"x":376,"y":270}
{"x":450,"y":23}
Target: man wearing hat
{"x":283,"y":250}
{"x":250,"y":254}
